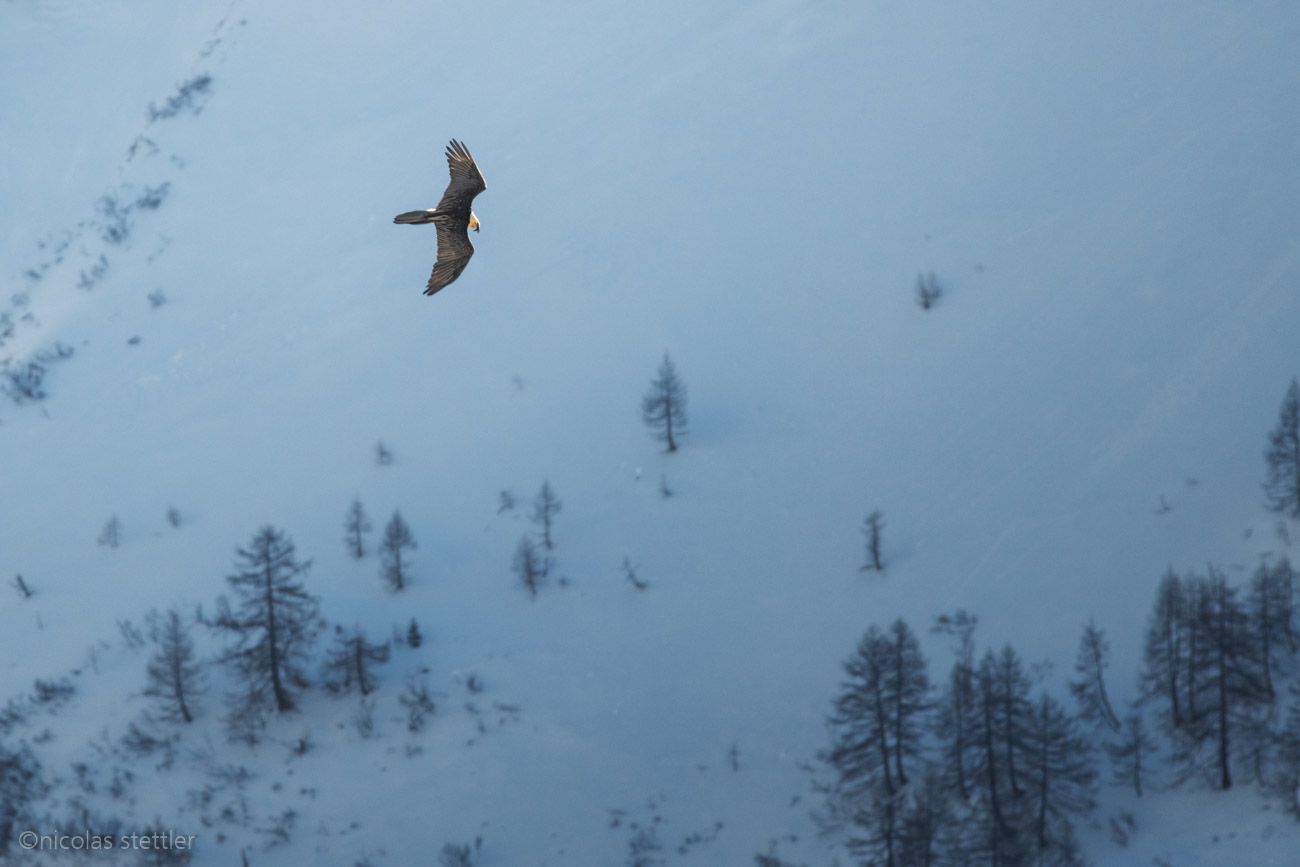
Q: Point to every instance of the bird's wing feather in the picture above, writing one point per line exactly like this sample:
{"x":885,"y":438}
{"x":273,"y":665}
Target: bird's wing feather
{"x":454,"y":250}
{"x":466,"y":180}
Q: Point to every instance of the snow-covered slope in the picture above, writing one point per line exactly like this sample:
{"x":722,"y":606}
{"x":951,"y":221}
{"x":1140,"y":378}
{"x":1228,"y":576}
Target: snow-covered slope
{"x":1108,"y":194}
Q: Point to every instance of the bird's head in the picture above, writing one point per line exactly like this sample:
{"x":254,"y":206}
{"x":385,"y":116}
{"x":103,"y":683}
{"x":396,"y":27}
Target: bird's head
{"x":473,"y":221}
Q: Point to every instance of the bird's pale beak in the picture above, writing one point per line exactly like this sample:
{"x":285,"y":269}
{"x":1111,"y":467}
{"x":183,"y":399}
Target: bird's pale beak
{"x":473,"y":221}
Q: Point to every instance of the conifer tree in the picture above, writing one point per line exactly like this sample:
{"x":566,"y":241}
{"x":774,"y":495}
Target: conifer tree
{"x":111,"y":535}
{"x":1282,"y":487}
{"x":955,"y":723}
{"x":1165,"y":652}
{"x":1011,"y":687}
{"x":991,"y":826}
{"x":545,"y":508}
{"x":1061,"y":779}
{"x":908,"y":687}
{"x":663,"y":408}
{"x":528,"y":565}
{"x":174,"y":678}
{"x":1284,"y":781}
{"x":1131,"y":755}
{"x":355,"y":529}
{"x":1089,"y":685}
{"x":274,"y":623}
{"x":876,"y":734}
{"x":1229,"y":688}
{"x":925,"y":814}
{"x":351,"y":660}
{"x":394,"y":568}
{"x":1272,"y":620}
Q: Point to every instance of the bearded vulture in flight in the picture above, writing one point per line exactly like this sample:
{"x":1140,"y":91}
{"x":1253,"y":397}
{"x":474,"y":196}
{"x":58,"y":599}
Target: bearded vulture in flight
{"x":453,"y":217}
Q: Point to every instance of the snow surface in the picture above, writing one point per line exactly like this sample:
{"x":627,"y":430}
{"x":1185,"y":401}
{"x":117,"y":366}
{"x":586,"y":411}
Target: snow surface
{"x":1108,"y":192}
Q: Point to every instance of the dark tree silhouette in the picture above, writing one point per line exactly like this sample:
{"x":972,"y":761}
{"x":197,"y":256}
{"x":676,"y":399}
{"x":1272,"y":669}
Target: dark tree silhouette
{"x":1270,"y":605}
{"x":545,"y":508}
{"x":992,"y":830}
{"x":1130,"y":755}
{"x":529,"y":566}
{"x":925,"y":814}
{"x":21,"y":784}
{"x":413,"y":636}
{"x":174,"y":679}
{"x":663,"y":408}
{"x":355,"y":528}
{"x":928,"y":290}
{"x":1226,"y":679}
{"x":1166,"y":653}
{"x":1284,"y":781}
{"x":908,"y":687}
{"x":1089,"y":685}
{"x":394,"y":568}
{"x":455,"y":855}
{"x":876,"y":734}
{"x":111,"y":535}
{"x":871,"y":528}
{"x":1061,"y":779}
{"x":21,"y":586}
{"x":418,"y":702}
{"x":274,"y":624}
{"x":956,"y":723}
{"x":1282,"y":487}
{"x":1011,"y":688}
{"x":351,"y":660}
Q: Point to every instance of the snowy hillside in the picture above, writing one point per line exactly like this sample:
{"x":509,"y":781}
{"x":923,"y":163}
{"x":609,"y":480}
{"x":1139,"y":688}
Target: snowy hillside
{"x":1107,"y":194}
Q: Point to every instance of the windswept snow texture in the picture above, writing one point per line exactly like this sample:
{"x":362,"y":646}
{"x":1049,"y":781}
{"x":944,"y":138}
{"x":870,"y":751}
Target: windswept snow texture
{"x":1108,"y":192}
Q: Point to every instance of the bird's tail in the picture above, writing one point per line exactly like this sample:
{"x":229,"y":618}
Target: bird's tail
{"x":414,"y":217}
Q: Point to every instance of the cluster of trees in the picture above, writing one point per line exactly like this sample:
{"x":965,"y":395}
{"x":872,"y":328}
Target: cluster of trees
{"x":982,"y":770}
{"x":534,"y":559}
{"x":271,"y":626}
{"x":988,"y":768}
{"x":1215,"y":661}
{"x":110,"y":536}
{"x":21,"y":783}
{"x":394,"y":562}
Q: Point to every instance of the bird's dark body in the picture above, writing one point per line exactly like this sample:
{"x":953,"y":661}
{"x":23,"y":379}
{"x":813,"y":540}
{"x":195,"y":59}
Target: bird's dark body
{"x":451,"y":218}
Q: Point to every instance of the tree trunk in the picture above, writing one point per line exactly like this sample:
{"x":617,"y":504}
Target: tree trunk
{"x":1171,"y":656}
{"x":1225,"y":775}
{"x":995,"y":804}
{"x":282,"y":700}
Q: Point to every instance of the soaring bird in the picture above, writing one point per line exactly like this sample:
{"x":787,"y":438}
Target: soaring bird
{"x":453,"y":217}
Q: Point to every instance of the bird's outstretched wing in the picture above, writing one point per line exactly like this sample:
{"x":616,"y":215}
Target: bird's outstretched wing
{"x":466,"y":181}
{"x":454,"y":250}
